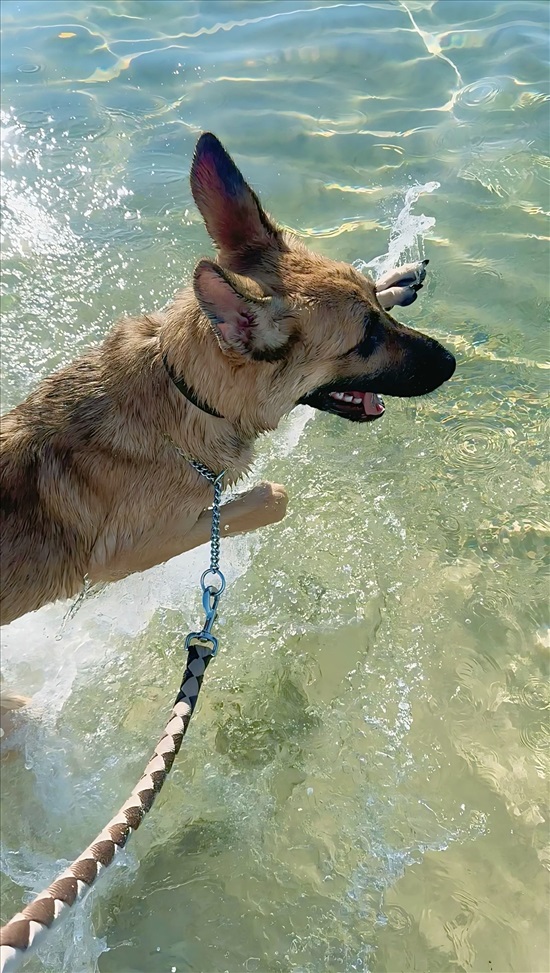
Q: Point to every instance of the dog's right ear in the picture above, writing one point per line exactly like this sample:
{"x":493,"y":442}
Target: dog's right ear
{"x":255,"y":328}
{"x":233,"y":214}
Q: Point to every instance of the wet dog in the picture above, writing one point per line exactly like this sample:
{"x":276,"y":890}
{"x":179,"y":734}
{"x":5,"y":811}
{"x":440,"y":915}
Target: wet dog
{"x":95,"y":475}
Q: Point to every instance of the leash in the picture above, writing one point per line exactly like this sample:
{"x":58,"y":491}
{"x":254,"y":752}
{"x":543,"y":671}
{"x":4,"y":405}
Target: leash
{"x":30,"y":927}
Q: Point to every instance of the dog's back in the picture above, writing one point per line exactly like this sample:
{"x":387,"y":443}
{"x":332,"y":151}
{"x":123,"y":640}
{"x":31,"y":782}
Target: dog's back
{"x":54,"y":462}
{"x":39,"y":554}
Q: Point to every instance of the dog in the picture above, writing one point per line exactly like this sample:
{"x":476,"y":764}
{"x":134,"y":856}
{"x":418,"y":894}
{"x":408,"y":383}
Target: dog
{"x":95,"y":476}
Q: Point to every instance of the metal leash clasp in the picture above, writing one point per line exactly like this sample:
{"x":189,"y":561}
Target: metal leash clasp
{"x":210,"y":597}
{"x":211,"y":591}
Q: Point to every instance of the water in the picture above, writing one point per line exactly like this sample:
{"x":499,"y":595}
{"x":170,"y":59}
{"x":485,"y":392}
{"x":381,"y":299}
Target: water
{"x":364,"y":786}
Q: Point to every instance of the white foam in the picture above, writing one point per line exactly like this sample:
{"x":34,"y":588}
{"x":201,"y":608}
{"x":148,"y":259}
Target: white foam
{"x":406,"y":235}
{"x":53,"y":644}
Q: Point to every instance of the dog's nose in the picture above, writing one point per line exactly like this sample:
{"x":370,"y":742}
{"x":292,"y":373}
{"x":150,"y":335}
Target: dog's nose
{"x":443,"y":365}
{"x":434,"y":370}
{"x":449,"y":366}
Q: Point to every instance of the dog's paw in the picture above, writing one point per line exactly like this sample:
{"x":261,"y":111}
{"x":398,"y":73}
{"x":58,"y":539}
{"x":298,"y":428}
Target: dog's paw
{"x":401,"y":286}
{"x":272,"y":499}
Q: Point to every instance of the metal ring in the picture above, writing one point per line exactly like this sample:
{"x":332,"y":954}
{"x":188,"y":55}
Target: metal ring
{"x":215,"y":574}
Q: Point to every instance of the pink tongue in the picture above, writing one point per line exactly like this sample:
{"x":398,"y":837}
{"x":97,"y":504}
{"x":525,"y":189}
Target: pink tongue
{"x":371,"y":404}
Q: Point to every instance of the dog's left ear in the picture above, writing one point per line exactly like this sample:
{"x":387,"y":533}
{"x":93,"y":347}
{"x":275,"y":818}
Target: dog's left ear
{"x":233,"y":214}
{"x":255,"y":328}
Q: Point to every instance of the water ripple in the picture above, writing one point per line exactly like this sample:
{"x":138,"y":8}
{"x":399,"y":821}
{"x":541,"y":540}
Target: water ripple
{"x":535,"y":694}
{"x":399,"y":920}
{"x":476,"y":444}
{"x":484,"y":93}
{"x":28,"y":68}
{"x":536,"y":735}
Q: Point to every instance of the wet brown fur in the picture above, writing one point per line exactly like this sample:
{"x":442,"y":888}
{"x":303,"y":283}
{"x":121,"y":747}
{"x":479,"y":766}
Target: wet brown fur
{"x":93,"y":485}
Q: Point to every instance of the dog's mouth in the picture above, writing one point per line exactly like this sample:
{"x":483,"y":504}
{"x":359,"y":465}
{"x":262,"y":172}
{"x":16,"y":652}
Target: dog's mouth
{"x":347,"y":403}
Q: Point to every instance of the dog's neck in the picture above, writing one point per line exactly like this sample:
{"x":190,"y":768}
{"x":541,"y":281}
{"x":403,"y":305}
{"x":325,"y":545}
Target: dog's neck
{"x":216,"y":442}
{"x":227,"y":394}
{"x":194,"y":383}
{"x":189,"y":393}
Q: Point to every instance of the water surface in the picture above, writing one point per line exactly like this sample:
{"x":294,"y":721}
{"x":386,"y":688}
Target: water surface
{"x":364,"y":786}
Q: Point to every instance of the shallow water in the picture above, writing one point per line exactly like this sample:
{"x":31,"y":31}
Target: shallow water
{"x":364,"y":786}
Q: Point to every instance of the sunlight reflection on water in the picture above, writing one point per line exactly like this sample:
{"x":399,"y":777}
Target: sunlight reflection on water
{"x":368,"y":763}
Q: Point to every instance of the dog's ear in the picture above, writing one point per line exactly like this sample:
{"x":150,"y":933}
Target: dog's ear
{"x":232,"y":212}
{"x":255,"y":328}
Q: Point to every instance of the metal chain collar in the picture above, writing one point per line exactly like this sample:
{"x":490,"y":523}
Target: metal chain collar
{"x":212,"y":591}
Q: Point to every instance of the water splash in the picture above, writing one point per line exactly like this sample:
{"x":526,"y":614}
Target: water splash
{"x":406,"y":236}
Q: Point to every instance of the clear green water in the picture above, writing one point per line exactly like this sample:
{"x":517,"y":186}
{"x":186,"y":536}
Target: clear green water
{"x":364,"y":786}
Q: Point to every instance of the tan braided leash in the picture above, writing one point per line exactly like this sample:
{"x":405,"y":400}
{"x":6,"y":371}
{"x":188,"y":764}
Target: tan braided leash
{"x":29,"y":928}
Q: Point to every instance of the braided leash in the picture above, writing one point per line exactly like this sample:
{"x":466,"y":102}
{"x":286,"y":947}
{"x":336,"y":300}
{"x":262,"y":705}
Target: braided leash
{"x":29,"y":928}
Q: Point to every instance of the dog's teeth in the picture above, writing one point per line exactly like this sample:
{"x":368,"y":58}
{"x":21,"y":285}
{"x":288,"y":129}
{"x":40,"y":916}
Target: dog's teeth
{"x":357,"y":401}
{"x":347,"y":398}
{"x":337,"y":395}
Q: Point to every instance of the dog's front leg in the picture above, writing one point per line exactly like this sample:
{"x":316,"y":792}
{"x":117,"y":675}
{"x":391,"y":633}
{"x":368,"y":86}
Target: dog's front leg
{"x":401,"y":286}
{"x":262,"y":505}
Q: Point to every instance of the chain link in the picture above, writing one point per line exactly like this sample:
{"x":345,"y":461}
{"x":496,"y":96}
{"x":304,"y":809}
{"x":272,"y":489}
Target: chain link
{"x":211,"y":591}
{"x":200,"y":467}
{"x":217,"y":482}
{"x":216,"y":479}
{"x":215,"y":539}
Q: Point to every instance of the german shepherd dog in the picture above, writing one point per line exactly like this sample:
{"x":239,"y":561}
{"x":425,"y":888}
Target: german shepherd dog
{"x":94,"y":471}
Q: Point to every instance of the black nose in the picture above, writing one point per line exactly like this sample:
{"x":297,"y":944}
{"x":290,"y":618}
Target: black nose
{"x":430,"y":365}
{"x":434,"y":370}
{"x":425,"y":366}
{"x":449,"y":366}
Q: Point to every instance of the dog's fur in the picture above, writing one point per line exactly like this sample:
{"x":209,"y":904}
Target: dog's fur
{"x":94,"y":484}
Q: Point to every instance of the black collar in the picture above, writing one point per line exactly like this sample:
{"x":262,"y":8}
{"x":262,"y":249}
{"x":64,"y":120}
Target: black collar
{"x":189,"y":394}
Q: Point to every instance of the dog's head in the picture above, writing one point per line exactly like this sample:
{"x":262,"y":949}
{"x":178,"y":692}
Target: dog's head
{"x":313,"y":326}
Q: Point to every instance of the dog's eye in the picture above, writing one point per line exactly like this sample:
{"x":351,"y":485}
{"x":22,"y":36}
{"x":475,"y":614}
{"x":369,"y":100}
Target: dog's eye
{"x":368,"y":342}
